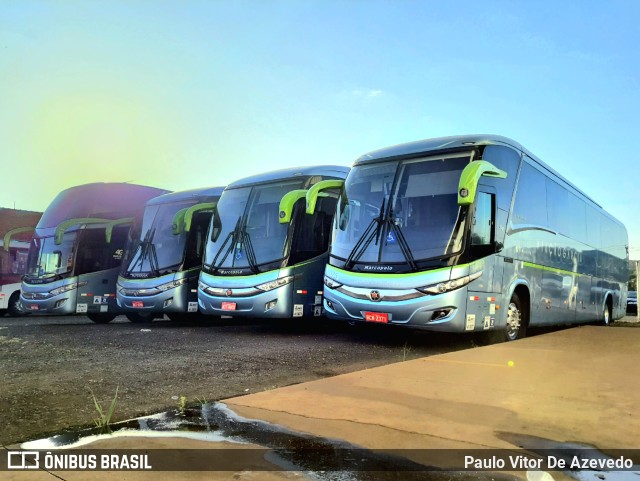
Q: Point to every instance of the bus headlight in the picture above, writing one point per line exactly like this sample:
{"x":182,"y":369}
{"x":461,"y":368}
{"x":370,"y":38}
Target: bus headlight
{"x":271,"y":285}
{"x":67,"y":288}
{"x":451,"y":285}
{"x":330,"y":283}
{"x":171,"y":285}
{"x":214,"y":291}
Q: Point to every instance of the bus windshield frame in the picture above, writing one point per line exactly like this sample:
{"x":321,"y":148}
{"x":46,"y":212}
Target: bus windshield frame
{"x":48,"y":262}
{"x":391,"y":210}
{"x":158,"y":250}
{"x":245,"y":234}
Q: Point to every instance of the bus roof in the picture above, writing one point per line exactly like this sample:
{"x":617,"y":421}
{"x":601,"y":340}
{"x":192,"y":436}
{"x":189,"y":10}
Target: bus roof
{"x":109,"y":200}
{"x":459,"y":142}
{"x":338,"y":171}
{"x":191,"y":194}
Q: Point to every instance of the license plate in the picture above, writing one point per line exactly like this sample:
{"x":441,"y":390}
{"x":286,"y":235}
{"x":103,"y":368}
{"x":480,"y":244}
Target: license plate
{"x":34,"y":307}
{"x":229,"y":306}
{"x":137,"y":304}
{"x":381,"y":317}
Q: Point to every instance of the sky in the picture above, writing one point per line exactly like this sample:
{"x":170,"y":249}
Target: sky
{"x":187,"y":94}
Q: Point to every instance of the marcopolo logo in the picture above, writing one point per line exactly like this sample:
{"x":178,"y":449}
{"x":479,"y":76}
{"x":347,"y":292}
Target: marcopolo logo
{"x":378,"y":268}
{"x":23,"y":460}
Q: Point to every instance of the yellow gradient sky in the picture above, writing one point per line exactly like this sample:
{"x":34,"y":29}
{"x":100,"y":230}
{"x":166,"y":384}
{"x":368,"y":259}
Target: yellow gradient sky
{"x":197,"y":93}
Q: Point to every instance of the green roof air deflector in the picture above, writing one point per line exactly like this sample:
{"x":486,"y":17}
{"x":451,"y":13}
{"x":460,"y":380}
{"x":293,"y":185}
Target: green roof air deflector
{"x":314,"y":191}
{"x":287,"y":202}
{"x":12,"y":232}
{"x":109,"y":229}
{"x":471,"y":176}
{"x":64,"y":226}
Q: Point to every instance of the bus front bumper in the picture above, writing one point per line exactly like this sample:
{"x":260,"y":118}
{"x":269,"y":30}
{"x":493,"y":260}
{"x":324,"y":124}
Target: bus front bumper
{"x":62,"y":304}
{"x":176,"y":299}
{"x":441,"y":312}
{"x":275,"y":303}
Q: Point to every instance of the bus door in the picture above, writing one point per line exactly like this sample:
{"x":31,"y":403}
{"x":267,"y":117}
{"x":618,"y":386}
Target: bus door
{"x":483,"y":242}
{"x":97,"y":267}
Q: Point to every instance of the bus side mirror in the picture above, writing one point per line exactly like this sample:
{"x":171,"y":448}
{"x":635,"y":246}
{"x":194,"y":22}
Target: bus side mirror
{"x":287,"y":203}
{"x":314,"y":192}
{"x":471,"y":176}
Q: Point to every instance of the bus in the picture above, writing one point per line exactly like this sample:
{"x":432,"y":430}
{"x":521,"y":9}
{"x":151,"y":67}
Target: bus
{"x":267,"y":244}
{"x":16,"y":229}
{"x":471,"y":233}
{"x":162,"y":266}
{"x":77,"y":249}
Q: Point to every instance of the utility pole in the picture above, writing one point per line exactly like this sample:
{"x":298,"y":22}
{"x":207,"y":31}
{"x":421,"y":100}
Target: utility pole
{"x":637,"y":311}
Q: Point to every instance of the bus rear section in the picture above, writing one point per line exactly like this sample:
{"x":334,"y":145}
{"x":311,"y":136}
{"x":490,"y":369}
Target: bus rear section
{"x":16,"y":230}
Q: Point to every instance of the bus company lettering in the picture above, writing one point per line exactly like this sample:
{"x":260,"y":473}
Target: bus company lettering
{"x":378,"y":268}
{"x":550,"y":251}
{"x":230,"y":272}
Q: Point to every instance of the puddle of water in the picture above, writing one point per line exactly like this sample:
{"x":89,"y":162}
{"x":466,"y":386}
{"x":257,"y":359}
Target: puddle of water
{"x":315,"y":457}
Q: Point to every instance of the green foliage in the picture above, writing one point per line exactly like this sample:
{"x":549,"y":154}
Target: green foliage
{"x":104,"y":418}
{"x":182,"y":404}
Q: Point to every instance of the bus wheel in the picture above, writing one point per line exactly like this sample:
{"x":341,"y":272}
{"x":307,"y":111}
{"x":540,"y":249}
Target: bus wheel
{"x":606,"y":315}
{"x":14,"y":305}
{"x":516,"y":322}
{"x":140,"y":318}
{"x":101,"y":318}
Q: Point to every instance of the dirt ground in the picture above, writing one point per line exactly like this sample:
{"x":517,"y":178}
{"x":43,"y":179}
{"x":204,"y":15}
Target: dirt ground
{"x":48,"y":365}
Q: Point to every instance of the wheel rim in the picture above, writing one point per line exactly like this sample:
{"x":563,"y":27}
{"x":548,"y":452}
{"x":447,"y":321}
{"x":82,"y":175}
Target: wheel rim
{"x":513,"y":321}
{"x":606,"y":316}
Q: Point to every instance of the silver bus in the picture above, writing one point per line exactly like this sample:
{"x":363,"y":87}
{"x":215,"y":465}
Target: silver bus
{"x":77,"y":249}
{"x":162,"y":266}
{"x":471,"y":233}
{"x":267,"y":245}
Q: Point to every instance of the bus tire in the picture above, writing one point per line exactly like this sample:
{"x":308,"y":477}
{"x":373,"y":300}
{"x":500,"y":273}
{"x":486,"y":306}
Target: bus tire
{"x":607,"y":319}
{"x":516,"y":320}
{"x":516,"y":327}
{"x":101,"y":318}
{"x":139,"y":318}
{"x":13,"y":307}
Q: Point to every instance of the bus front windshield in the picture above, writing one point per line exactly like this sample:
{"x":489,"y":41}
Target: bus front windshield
{"x":246,"y":232}
{"x":159,"y":251}
{"x":48,"y":261}
{"x":400,"y":212}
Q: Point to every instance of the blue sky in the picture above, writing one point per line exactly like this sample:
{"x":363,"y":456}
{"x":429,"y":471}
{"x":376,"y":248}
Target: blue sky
{"x":188,"y":94}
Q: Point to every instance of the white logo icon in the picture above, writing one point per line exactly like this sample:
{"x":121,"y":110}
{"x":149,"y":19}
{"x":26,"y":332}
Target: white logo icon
{"x":23,"y":459}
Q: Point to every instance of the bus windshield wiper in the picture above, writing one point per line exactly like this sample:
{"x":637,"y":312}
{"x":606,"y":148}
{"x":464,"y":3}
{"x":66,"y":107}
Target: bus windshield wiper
{"x":372,"y":231}
{"x":230,"y":236}
{"x":251,"y":256}
{"x":402,"y":241}
{"x":141,"y":250}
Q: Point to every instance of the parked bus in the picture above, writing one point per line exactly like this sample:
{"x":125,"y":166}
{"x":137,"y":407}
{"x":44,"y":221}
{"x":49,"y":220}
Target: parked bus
{"x":77,"y":249}
{"x":160,"y":274}
{"x":267,"y":244}
{"x":16,"y":229}
{"x":471,"y":233}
